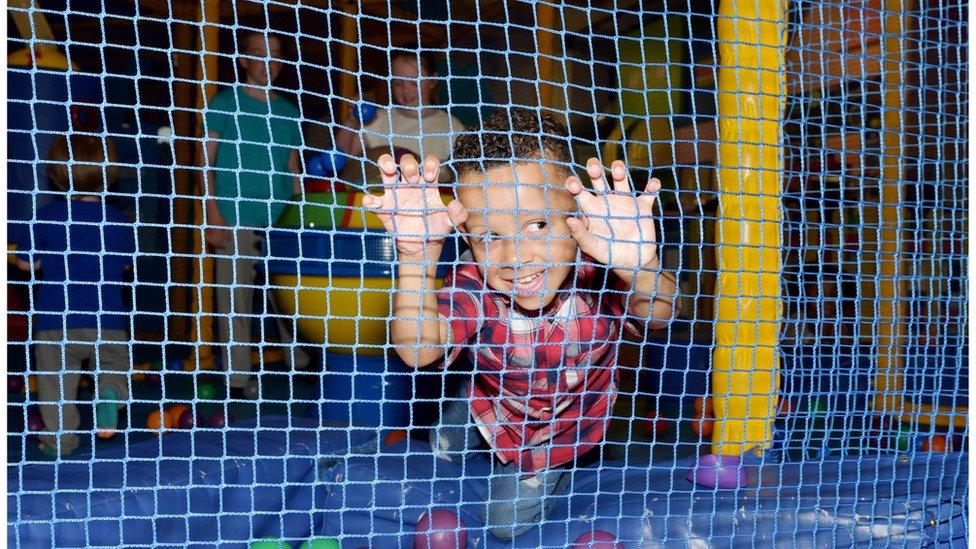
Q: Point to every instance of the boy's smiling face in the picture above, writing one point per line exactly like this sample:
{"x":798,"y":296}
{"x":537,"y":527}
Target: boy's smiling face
{"x":517,"y":231}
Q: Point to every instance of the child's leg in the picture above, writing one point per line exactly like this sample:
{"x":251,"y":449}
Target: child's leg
{"x":455,"y":432}
{"x":113,"y":387}
{"x":57,"y":364}
{"x":516,"y":502}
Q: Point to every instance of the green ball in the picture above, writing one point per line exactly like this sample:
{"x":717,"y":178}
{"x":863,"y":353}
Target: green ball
{"x":321,"y":543}
{"x":206,"y":391}
{"x":269,"y":543}
{"x":818,"y":406}
{"x":158,"y":365}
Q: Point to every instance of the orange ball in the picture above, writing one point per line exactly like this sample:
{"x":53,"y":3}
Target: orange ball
{"x":175,"y":412}
{"x":159,"y":422}
{"x":935,"y":443}
{"x":703,"y":426}
{"x":395,"y":436}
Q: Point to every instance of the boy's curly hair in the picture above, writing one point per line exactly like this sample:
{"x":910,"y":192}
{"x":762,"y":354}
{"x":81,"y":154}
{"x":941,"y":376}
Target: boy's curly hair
{"x":512,"y":135}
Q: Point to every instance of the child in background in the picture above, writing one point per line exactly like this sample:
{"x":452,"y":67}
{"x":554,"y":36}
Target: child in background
{"x":413,"y":122}
{"x":555,"y":274}
{"x":83,"y":246}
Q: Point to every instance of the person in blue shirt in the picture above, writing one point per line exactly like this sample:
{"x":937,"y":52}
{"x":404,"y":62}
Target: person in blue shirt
{"x":250,"y":162}
{"x":79,"y":250}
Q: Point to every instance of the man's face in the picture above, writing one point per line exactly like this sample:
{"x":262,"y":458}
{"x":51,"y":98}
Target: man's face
{"x":261,"y":66}
{"x":517,"y":230}
{"x":410,"y":87}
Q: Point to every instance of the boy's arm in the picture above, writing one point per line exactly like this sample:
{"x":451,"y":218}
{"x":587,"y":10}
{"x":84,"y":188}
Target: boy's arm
{"x":418,"y":331}
{"x":412,"y":211}
{"x":348,"y":134}
{"x":617,"y":229}
{"x":653,"y":297}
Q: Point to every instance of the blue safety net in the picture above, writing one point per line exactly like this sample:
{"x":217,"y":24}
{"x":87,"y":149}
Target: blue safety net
{"x":685,"y":274}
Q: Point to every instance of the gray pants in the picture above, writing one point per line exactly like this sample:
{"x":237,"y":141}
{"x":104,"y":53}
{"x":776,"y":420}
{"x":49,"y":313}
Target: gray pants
{"x":515,"y":501}
{"x":234,"y":279}
{"x":58,"y":367}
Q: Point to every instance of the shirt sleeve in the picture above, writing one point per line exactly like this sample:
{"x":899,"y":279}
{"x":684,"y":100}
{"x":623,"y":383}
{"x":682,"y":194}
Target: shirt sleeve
{"x":459,"y":302}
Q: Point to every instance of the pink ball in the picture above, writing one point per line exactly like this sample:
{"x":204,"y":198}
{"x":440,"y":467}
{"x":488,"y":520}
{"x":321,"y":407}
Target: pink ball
{"x":220,"y":420}
{"x":597,"y":539}
{"x":34,"y":423}
{"x":15,"y":384}
{"x":187,"y":420}
{"x":440,"y":529}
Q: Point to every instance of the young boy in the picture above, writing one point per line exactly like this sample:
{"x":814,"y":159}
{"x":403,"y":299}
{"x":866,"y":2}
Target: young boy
{"x":83,"y":246}
{"x":555,"y":273}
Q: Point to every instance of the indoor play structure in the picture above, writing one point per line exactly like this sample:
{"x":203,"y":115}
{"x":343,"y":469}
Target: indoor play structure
{"x":812,"y":391}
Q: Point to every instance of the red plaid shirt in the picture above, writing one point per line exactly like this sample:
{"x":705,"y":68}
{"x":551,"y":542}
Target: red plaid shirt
{"x":546,"y":384}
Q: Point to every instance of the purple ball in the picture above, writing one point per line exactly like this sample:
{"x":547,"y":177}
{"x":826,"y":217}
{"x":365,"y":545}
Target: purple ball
{"x":220,"y":420}
{"x":440,"y":529}
{"x":154,"y":379}
{"x":597,"y":539}
{"x":187,"y":420}
{"x":15,"y":384}
{"x":34,"y":423}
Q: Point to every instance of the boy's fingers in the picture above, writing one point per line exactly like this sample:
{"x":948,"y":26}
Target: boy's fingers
{"x":457,"y":213}
{"x":653,"y":185}
{"x":372,"y":201}
{"x":594,"y":169}
{"x":574,"y":185}
{"x":432,"y":166}
{"x":621,"y":182}
{"x":388,"y":169}
{"x":409,"y":169}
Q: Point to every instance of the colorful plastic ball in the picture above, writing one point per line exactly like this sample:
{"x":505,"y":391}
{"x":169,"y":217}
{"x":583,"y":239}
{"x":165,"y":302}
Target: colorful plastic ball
{"x":395,"y":436}
{"x":174,"y":365}
{"x":654,"y":424}
{"x":206,"y":391}
{"x":365,"y":112}
{"x":440,"y":529}
{"x":219,"y":419}
{"x":818,"y":406}
{"x":785,"y":407}
{"x":158,"y":365}
{"x":936,"y":443}
{"x":327,"y":164}
{"x":269,"y":543}
{"x":321,"y":543}
{"x":154,"y":379}
{"x":187,"y":420}
{"x":703,"y":426}
{"x":175,"y":412}
{"x":597,"y":539}
{"x":15,"y":384}
{"x":35,"y":423}
{"x":159,"y":422}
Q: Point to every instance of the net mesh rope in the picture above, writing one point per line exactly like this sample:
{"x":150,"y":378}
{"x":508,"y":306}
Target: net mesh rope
{"x":231,"y":443}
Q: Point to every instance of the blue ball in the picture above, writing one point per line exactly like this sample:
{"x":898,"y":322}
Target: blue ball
{"x":327,"y":164}
{"x":365,"y":112}
{"x":174,"y":364}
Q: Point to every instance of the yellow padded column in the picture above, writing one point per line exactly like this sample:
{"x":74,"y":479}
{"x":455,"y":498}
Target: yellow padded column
{"x":745,"y":376}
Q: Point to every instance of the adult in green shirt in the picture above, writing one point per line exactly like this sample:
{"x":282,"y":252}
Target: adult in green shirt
{"x":250,"y":163}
